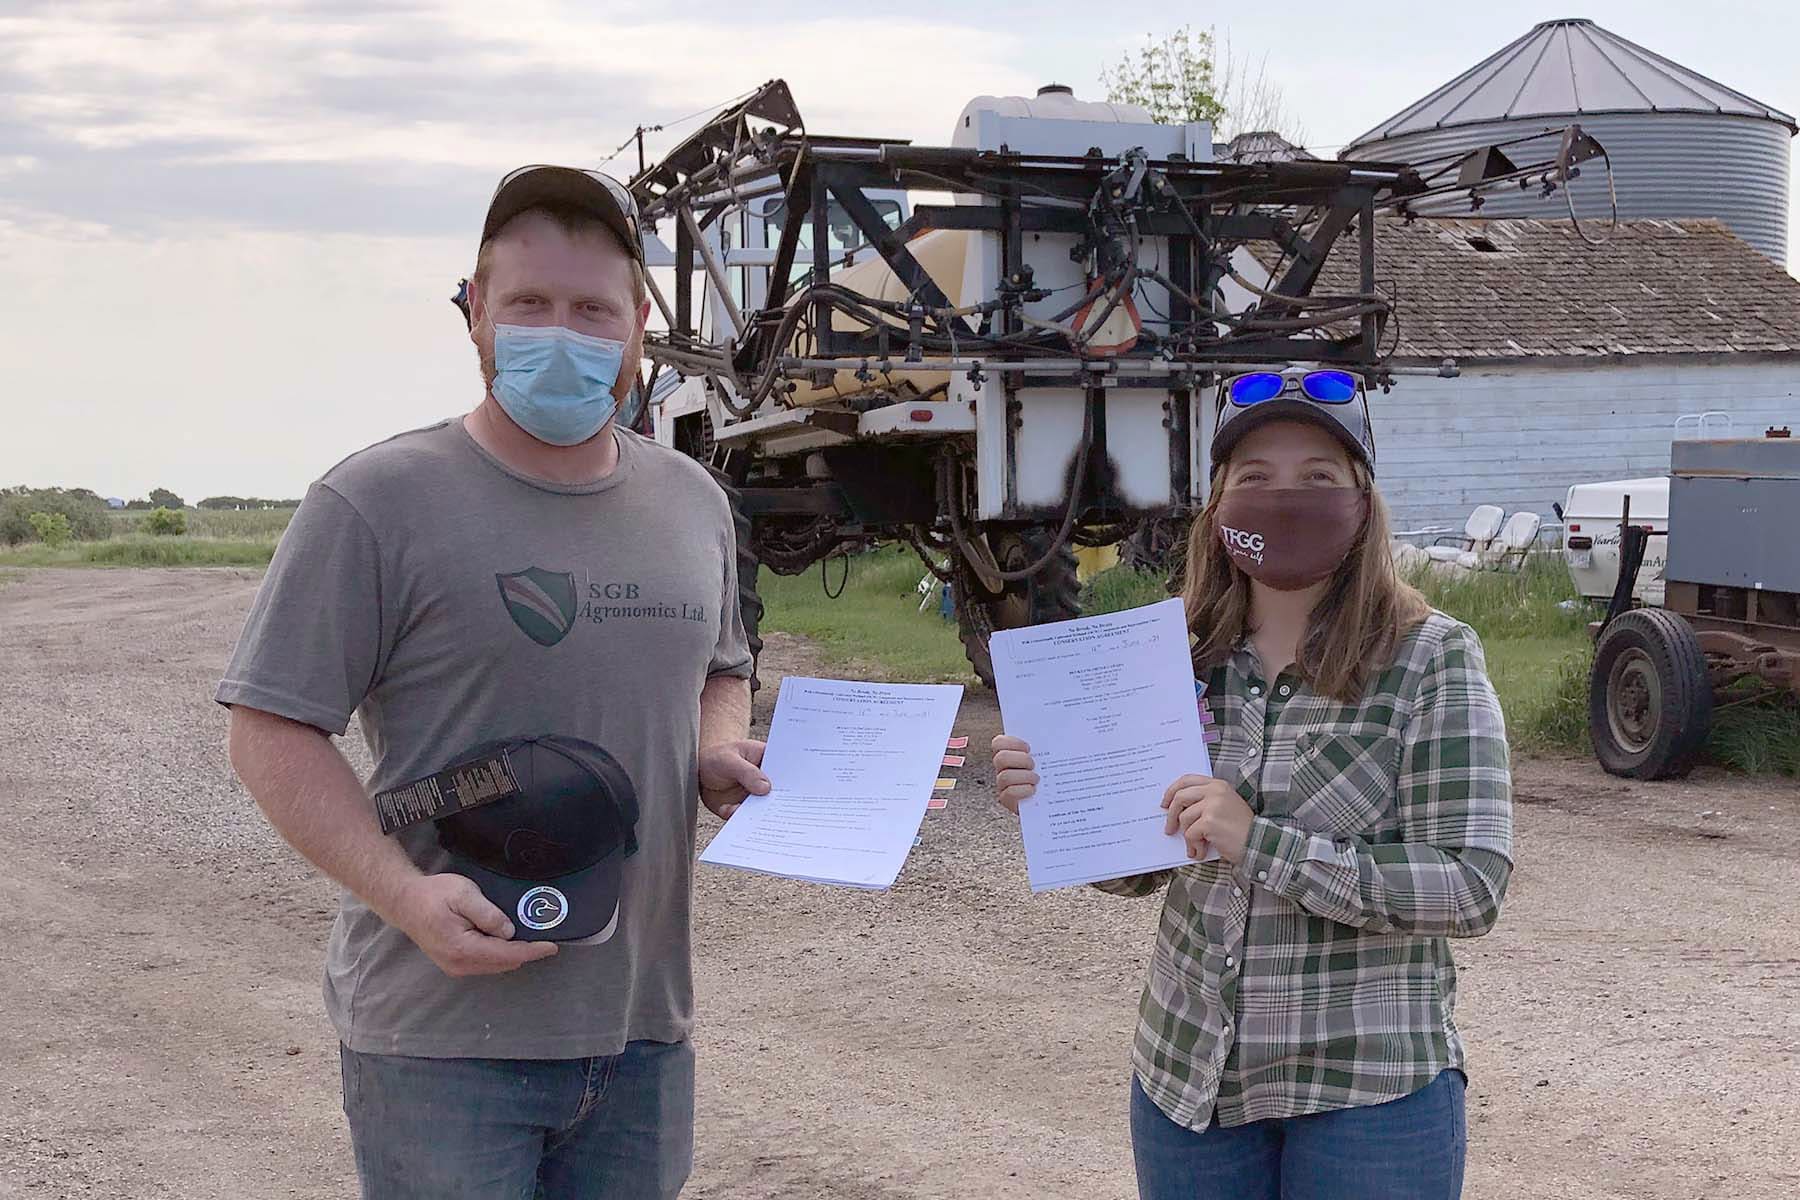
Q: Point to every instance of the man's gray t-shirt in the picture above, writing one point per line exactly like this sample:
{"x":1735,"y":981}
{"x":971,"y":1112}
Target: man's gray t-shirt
{"x":448,"y":601}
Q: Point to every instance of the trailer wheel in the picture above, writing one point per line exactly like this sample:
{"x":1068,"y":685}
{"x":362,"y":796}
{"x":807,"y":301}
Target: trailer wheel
{"x":1649,"y":696}
{"x":1053,"y":594}
{"x":750,"y":605}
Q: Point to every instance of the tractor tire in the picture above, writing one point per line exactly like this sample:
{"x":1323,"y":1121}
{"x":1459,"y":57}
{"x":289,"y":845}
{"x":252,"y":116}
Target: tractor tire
{"x":1650,"y":696}
{"x":750,"y":605}
{"x":1053,"y":594}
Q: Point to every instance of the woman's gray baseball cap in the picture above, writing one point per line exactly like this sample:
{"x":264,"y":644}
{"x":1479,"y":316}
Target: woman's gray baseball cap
{"x":1347,"y":421}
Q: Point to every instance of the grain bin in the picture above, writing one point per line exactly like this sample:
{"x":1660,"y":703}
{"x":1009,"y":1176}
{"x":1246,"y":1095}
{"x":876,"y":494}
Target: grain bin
{"x":1681,"y":145}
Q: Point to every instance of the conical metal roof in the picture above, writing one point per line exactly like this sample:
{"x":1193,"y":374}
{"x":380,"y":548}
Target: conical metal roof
{"x":1568,"y":68}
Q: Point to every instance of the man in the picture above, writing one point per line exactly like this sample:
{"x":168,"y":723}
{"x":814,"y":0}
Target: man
{"x":525,"y":571}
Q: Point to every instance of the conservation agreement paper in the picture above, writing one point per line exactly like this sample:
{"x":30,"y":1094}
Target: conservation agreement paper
{"x":1107,"y":705}
{"x":851,"y":767}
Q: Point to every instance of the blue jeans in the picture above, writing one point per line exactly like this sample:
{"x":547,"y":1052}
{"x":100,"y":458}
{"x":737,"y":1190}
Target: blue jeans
{"x":516,"y":1129}
{"x":1407,"y":1149}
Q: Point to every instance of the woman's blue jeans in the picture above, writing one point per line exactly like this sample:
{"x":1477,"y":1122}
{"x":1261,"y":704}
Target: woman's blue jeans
{"x":1407,"y":1149}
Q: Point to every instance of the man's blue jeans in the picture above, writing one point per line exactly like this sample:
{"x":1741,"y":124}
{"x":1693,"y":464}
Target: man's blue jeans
{"x":513,"y":1129}
{"x":1407,"y":1149}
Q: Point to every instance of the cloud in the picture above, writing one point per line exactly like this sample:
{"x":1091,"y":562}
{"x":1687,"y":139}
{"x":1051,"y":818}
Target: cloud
{"x":155,"y":116}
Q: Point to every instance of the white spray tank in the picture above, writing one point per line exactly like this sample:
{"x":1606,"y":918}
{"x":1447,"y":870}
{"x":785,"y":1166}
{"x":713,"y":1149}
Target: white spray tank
{"x":1055,"y":123}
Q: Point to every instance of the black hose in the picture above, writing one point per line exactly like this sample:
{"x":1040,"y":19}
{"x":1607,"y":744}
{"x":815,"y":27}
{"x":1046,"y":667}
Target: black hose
{"x":843,"y":580}
{"x":1633,"y":539}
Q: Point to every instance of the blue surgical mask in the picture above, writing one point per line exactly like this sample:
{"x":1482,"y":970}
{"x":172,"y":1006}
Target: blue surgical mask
{"x":556,"y":384}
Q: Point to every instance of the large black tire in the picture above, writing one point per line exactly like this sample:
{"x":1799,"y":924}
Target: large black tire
{"x":1650,"y":696}
{"x":750,"y":605}
{"x":1053,"y":594}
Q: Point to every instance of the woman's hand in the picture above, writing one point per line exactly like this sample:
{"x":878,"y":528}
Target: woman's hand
{"x":1207,"y":811}
{"x":1015,"y":774}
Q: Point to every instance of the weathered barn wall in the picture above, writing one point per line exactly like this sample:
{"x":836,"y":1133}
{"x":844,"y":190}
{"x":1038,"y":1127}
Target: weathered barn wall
{"x":1518,"y":435}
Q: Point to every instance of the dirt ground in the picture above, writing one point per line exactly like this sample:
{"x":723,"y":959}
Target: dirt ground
{"x":1634,"y":1021}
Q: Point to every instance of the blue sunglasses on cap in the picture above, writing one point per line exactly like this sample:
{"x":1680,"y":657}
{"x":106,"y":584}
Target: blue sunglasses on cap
{"x":1321,"y":387}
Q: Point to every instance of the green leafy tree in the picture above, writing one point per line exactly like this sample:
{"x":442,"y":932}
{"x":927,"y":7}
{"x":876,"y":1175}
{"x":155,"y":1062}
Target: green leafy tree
{"x":52,"y":529}
{"x":1189,"y":76}
{"x":1172,"y":78}
{"x":164,"y":498}
{"x":86,"y":512}
{"x":166,"y":522}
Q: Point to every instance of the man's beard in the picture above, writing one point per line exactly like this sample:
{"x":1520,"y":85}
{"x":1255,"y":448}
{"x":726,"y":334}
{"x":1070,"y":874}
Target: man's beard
{"x":484,"y":361}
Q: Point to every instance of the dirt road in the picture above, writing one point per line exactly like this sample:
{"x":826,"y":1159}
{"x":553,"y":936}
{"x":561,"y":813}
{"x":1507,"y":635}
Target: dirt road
{"x":1634,"y":1021}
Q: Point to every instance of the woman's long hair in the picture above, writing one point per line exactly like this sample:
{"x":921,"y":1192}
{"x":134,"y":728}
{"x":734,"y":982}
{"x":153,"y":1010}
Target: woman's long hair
{"x":1353,"y":630}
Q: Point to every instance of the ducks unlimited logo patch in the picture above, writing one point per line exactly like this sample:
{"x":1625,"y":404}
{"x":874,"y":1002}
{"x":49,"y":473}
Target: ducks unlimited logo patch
{"x":540,"y":602}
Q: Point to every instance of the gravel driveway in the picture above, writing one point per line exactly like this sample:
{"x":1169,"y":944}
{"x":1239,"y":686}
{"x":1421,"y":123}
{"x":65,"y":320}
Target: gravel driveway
{"x":1634,"y":1021}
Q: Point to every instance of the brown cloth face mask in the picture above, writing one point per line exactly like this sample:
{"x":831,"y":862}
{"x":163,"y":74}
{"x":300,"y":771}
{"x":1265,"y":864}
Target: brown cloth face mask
{"x":1290,"y":538}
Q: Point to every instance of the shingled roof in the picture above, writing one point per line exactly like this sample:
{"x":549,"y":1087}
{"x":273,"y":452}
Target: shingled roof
{"x":1474,"y":289}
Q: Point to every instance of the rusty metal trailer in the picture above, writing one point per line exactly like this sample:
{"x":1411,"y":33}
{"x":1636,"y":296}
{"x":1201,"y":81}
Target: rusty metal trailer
{"x":1730,"y":613}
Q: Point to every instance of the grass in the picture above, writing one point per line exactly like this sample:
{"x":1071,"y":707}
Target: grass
{"x":875,"y":628}
{"x":214,"y":538}
{"x":262,"y":524}
{"x":143,"y":550}
{"x":1759,"y":738}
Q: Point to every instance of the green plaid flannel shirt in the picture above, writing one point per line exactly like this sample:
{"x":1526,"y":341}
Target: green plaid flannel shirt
{"x":1316,"y":974}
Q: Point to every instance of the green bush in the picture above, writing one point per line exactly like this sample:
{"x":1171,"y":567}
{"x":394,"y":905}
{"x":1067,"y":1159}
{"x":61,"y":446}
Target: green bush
{"x":87,"y":513}
{"x":166,"y":522}
{"x":52,"y":529}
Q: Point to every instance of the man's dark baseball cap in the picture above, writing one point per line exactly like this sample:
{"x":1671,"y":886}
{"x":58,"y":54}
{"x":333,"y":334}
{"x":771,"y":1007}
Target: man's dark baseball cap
{"x":1288,"y":399}
{"x":540,"y":186}
{"x":550,"y":857}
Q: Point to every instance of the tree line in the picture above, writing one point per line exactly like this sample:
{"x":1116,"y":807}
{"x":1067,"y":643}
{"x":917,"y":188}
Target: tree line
{"x":56,"y":515}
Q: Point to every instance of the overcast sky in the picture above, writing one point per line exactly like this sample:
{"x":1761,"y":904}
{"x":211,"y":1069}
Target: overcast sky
{"x":229,"y":230}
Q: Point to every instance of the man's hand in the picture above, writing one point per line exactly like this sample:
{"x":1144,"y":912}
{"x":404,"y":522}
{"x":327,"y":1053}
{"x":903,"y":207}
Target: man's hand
{"x":1208,"y":811}
{"x":729,"y":771}
{"x":460,"y":930}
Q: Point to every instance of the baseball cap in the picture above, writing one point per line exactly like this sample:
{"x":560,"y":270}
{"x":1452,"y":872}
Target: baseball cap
{"x":540,"y":185}
{"x":1331,"y":399}
{"x":550,"y":854}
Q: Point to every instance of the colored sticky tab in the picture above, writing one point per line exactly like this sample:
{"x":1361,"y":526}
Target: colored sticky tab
{"x":944,"y":785}
{"x":917,"y":840}
{"x":1211,"y":735}
{"x":954,"y":760}
{"x":1199,"y":687}
{"x":957,"y":743}
{"x":1206,"y":715}
{"x":937,"y":802}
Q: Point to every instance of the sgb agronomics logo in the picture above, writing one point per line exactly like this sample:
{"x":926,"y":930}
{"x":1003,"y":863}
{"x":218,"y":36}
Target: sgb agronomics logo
{"x":540,"y":602}
{"x":543,"y":908}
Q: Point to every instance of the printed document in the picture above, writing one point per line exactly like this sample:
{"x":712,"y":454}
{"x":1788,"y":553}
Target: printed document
{"x":1107,"y":705}
{"x":851,"y":767}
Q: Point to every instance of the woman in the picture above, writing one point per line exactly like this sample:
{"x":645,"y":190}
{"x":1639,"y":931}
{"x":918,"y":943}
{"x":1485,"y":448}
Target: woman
{"x":1295,"y":1037}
